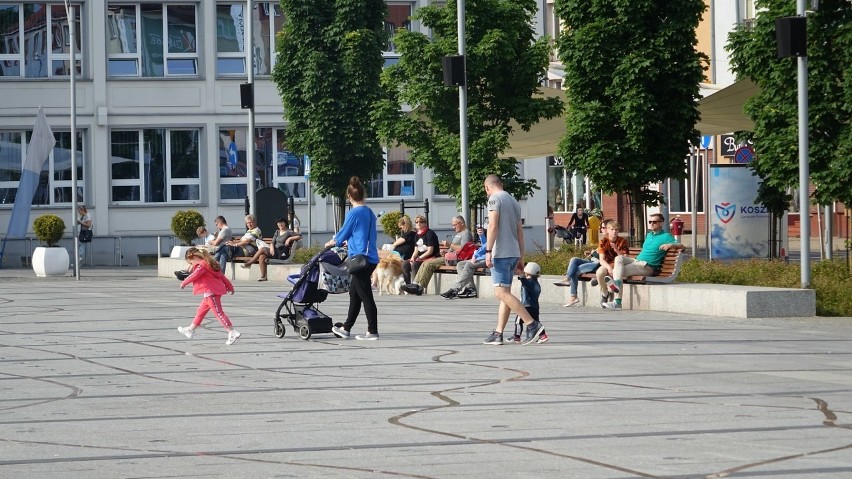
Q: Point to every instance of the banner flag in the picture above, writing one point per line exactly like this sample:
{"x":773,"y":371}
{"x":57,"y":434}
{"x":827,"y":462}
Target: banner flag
{"x":38,"y":151}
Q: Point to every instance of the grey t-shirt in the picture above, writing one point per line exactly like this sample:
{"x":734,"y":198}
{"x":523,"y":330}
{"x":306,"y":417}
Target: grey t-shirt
{"x":461,"y":238}
{"x":508,"y":209}
{"x":224,"y":234}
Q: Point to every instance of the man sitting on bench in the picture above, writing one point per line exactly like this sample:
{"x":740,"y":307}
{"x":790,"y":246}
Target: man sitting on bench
{"x":465,"y":287}
{"x":646,"y":263}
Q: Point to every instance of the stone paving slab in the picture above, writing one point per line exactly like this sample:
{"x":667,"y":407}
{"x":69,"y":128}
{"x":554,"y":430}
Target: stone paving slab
{"x":96,"y":382}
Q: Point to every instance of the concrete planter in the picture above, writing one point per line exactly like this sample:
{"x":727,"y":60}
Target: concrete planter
{"x":179,"y":252}
{"x":50,"y":261}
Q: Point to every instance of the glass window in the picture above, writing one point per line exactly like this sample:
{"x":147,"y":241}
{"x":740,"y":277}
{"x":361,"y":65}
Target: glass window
{"x":560,"y":191}
{"x":275,"y":165}
{"x":152,"y":40}
{"x":43,"y":31}
{"x":54,"y":184}
{"x":680,"y":192}
{"x":155,"y":166}
{"x":397,"y":179}
{"x":267,"y":20}
{"x":399,"y":16}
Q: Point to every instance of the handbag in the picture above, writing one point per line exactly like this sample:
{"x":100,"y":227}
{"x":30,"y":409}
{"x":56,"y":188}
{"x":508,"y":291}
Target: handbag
{"x":85,"y":236}
{"x":355,"y":263}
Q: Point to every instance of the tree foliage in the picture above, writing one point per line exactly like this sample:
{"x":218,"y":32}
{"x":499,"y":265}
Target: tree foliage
{"x":775,"y":109}
{"x":327,"y":73}
{"x":632,"y":76}
{"x":505,"y":65}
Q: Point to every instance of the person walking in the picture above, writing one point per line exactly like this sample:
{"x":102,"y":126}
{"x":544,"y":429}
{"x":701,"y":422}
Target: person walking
{"x":504,"y":255}
{"x":207,"y":279}
{"x":85,"y":221}
{"x":359,"y":233}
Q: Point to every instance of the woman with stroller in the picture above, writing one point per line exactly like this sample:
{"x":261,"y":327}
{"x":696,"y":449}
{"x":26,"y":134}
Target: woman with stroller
{"x":359,"y":234}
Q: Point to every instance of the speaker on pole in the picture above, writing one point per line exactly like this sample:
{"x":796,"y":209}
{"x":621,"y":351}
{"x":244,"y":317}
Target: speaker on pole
{"x":791,"y":35}
{"x":454,"y":74}
{"x":247,"y":96}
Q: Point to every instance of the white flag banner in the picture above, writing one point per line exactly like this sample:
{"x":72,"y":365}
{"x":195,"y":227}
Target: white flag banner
{"x":38,"y":151}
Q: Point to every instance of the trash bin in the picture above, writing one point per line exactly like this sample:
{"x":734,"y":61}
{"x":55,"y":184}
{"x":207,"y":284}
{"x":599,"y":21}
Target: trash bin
{"x":594,"y":229}
{"x":677,"y":227}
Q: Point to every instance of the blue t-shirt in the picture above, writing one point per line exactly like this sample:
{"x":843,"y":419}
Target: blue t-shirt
{"x":359,"y":231}
{"x":651,"y":252}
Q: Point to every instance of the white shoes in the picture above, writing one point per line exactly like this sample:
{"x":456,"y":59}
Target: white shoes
{"x":186,"y":331}
{"x":233,"y":335}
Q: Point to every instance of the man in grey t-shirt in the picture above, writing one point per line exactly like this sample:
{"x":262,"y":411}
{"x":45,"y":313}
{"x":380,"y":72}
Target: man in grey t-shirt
{"x":222,"y":237}
{"x":504,"y":254}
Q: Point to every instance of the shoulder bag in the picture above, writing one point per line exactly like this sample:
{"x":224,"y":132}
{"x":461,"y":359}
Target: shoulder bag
{"x":85,"y":236}
{"x":357,"y":262}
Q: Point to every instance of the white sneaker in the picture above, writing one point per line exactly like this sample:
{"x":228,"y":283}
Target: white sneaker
{"x":368,"y":336}
{"x":611,"y":305}
{"x":233,"y":335}
{"x":186,"y":331}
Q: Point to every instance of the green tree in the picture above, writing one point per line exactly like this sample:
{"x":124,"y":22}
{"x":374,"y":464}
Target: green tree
{"x":775,"y":109}
{"x":505,"y":65}
{"x":632,"y":76}
{"x":327,"y":73}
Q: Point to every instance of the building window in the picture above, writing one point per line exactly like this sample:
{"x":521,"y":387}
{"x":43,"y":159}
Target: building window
{"x":398,"y":16}
{"x":397,"y":179}
{"x":267,"y":20}
{"x":155,"y":166}
{"x":135,"y":40}
{"x":563,"y":186}
{"x":54,"y":184}
{"x":680,"y":192}
{"x":43,"y":31}
{"x":289,"y":168}
{"x":275,"y":165}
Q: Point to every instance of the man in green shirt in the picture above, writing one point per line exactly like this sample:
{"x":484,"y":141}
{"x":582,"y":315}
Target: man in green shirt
{"x":646,"y":263}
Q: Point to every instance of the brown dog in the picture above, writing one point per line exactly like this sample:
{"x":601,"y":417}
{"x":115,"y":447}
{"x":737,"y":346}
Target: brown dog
{"x":389,"y":275}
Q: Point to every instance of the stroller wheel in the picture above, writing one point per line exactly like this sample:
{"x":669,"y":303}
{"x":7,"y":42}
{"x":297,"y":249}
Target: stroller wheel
{"x":279,"y":329}
{"x":305,"y":332}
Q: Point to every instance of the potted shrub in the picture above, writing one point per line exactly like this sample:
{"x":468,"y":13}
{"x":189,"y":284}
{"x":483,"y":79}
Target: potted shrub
{"x":390,"y":223}
{"x":185,"y":224}
{"x":50,"y":260}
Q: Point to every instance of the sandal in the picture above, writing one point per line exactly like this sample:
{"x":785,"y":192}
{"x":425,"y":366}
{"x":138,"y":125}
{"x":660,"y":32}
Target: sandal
{"x":571,"y":302}
{"x":246,"y":265}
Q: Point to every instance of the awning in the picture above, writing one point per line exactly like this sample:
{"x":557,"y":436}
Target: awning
{"x":721,"y":112}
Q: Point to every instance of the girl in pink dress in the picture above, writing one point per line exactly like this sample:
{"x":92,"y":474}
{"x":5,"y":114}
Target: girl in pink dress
{"x":207,"y":279}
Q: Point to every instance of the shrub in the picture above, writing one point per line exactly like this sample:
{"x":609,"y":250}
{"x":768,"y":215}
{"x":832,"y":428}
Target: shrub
{"x":185,"y":224}
{"x":49,"y":229}
{"x":390,"y":222}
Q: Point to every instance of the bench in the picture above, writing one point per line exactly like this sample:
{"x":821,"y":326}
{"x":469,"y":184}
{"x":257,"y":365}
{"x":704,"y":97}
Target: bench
{"x":669,"y":269}
{"x":243,"y":259}
{"x":447,"y":269}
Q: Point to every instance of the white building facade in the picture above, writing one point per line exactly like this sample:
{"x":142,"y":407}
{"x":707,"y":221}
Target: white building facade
{"x":160,"y":126}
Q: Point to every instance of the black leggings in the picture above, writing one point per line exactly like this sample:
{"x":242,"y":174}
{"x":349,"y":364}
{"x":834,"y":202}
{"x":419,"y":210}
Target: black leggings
{"x":361,"y":292}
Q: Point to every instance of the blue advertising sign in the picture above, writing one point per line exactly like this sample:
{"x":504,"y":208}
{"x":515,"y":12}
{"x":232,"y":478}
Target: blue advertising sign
{"x":739,"y":226}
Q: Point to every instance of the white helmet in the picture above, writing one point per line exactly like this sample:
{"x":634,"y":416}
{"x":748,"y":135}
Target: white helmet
{"x":532,"y":269}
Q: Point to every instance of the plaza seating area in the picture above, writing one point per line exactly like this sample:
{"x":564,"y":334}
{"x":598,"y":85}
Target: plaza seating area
{"x":685,"y":298}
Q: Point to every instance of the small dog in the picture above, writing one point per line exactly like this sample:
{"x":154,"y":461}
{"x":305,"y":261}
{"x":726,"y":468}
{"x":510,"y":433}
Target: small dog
{"x":389,"y":275}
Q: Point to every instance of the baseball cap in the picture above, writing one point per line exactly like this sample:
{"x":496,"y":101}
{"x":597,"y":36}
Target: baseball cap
{"x":532,"y":269}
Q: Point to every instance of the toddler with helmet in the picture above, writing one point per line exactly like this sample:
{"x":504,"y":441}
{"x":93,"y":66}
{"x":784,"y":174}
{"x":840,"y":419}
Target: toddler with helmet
{"x":530,"y":291}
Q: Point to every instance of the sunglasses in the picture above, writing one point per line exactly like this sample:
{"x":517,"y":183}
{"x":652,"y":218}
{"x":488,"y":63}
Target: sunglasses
{"x":652,"y":222}
{"x":420,"y":222}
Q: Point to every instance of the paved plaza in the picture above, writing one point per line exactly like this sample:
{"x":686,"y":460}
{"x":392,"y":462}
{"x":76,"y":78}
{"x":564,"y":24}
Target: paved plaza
{"x":96,"y":382}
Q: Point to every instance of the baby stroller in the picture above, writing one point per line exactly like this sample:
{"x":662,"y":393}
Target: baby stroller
{"x":570,"y":235}
{"x":322,"y":275}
